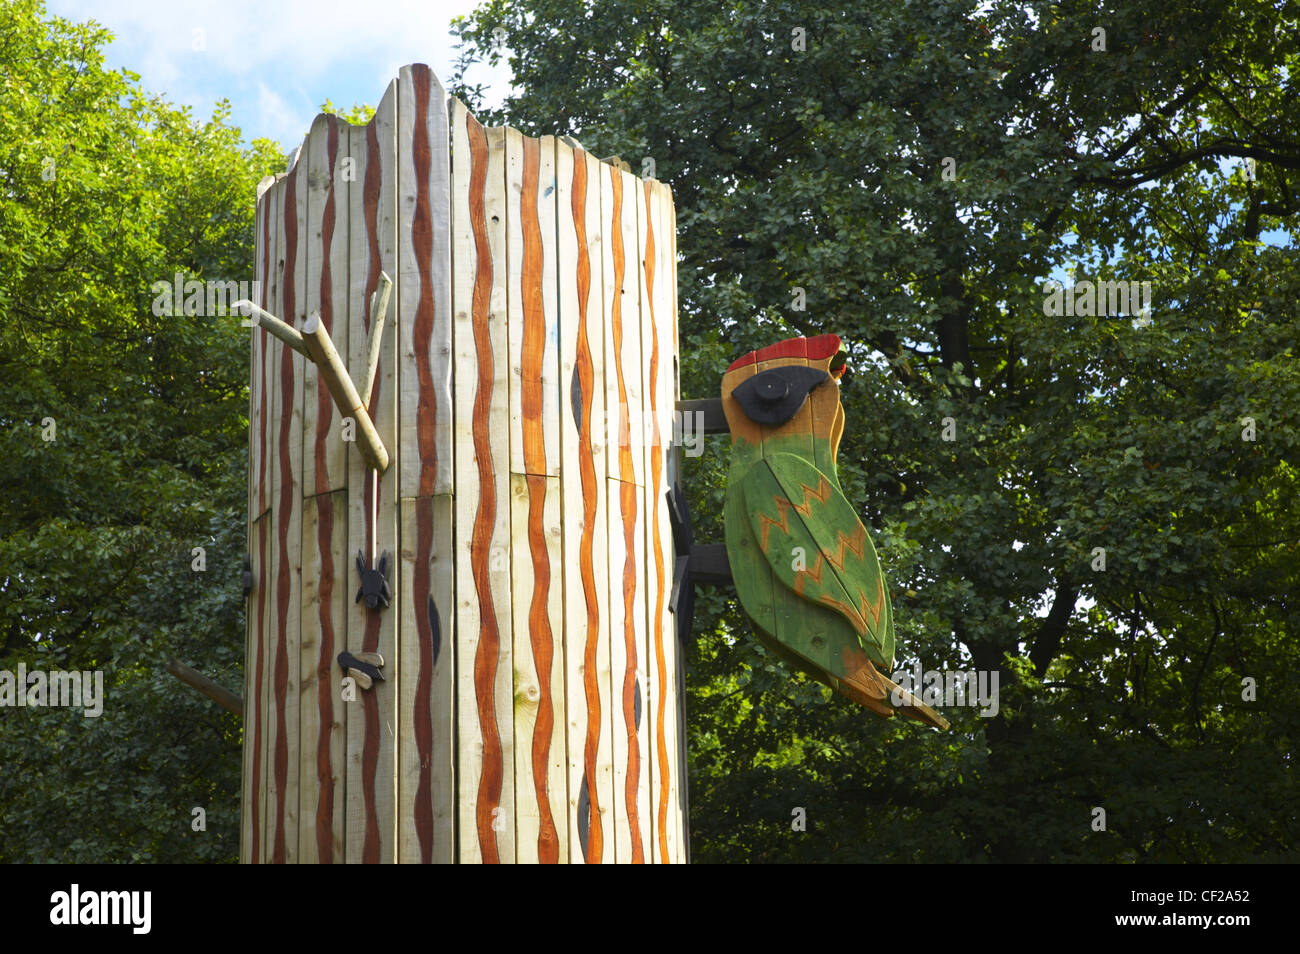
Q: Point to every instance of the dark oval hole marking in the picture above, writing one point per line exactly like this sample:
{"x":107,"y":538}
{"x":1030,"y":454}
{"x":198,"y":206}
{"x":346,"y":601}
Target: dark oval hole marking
{"x":435,"y":629}
{"x":584,"y":816}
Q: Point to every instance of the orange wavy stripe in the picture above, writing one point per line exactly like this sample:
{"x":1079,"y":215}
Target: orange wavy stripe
{"x":587,"y":471}
{"x":485,"y":657}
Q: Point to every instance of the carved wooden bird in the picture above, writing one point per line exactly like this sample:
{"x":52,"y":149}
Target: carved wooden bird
{"x":804,"y":567}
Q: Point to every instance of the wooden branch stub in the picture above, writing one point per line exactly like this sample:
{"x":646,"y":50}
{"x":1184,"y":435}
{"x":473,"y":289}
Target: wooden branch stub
{"x":715,"y":421}
{"x":378,"y":313}
{"x":273,"y":325}
{"x":214,"y":691}
{"x":322,"y":351}
{"x":709,"y":565}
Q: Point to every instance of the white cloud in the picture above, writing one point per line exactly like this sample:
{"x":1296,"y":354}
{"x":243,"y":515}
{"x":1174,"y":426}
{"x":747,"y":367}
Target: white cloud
{"x":276,"y":61}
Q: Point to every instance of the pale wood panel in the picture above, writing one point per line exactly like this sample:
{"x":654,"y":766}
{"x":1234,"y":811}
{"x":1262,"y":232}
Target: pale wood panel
{"x":272,"y":353}
{"x":658,"y":553}
{"x":485,"y":770}
{"x":501,"y":688}
{"x":289,"y":489}
{"x":426,"y":790}
{"x":584,"y":521}
{"x":661,"y":214}
{"x":683,"y":799}
{"x":610,"y":225}
{"x":534,"y":503}
{"x":666,"y":315}
{"x":626,"y":512}
{"x":324,"y":527}
{"x":252,"y":602}
{"x":372,"y":519}
{"x":540,"y":785}
{"x":325,"y":596}
{"x":552,"y":410}
{"x":325,"y":452}
{"x":468,"y":495}
{"x":424,"y":284}
{"x":426,"y":757}
{"x":636,"y":372}
{"x":554,"y":387}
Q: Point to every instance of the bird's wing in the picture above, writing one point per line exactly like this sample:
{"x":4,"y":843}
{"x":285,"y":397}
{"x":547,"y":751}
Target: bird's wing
{"x":816,"y":545}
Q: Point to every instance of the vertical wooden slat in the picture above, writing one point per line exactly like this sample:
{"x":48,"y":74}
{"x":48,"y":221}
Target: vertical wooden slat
{"x":485,"y":767}
{"x":250,"y":794}
{"x":540,"y":785}
{"x":288,"y":526}
{"x":665,"y":323}
{"x":426,"y":757}
{"x":682,"y":806}
{"x":626,"y":516}
{"x":549,"y":739}
{"x":372,"y":518}
{"x":272,"y":353}
{"x":658,"y":541}
{"x":324,"y":521}
{"x":586,"y":633}
{"x":636,"y":336}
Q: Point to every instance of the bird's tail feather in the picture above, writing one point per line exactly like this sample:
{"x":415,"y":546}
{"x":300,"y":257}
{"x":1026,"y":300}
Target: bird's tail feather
{"x":913,"y":707}
{"x":868,"y":686}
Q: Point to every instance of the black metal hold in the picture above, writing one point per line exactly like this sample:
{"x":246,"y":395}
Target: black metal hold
{"x":374,"y":583}
{"x":711,"y":418}
{"x":636,"y":705}
{"x":710,"y":565}
{"x":777,"y":394}
{"x":246,"y":577}
{"x":349,"y":661}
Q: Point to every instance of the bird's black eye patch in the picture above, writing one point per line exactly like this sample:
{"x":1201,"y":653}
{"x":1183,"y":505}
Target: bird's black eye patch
{"x":776,"y":395}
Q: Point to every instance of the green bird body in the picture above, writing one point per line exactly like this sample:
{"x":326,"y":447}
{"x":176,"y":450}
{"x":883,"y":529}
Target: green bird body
{"x":803,"y":564}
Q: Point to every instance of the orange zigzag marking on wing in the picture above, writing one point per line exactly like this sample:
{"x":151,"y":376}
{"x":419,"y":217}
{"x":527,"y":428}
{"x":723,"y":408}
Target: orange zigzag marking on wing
{"x":768,"y":523}
{"x":854,"y":543}
{"x":857,"y":615}
{"x":821,"y":494}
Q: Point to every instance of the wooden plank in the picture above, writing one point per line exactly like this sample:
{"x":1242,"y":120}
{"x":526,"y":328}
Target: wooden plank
{"x":626,"y":519}
{"x":272,"y":353}
{"x":325,"y":597}
{"x":250,"y":795}
{"x":549,"y":738}
{"x":372,"y":519}
{"x":586,"y":633}
{"x":540,"y":782}
{"x":288,"y":489}
{"x":666,"y":323}
{"x":638,"y":346}
{"x":658,"y":531}
{"x":682,"y":805}
{"x":485,"y":775}
{"x":324,"y":526}
{"x":426,"y":756}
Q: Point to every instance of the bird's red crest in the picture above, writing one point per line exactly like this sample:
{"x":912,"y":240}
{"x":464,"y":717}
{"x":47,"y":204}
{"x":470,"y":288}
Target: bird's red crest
{"x":815,"y":349}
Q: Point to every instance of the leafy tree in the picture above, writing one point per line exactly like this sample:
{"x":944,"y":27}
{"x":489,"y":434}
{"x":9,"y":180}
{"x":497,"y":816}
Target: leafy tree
{"x":122,"y":448}
{"x":920,"y":170}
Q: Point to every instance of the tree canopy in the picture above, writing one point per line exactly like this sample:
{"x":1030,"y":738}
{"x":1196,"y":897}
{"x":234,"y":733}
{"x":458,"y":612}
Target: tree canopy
{"x":122,"y":449}
{"x":1112,"y":526}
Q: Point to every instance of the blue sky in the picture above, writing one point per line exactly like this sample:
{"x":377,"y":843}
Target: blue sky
{"x":276,"y":60}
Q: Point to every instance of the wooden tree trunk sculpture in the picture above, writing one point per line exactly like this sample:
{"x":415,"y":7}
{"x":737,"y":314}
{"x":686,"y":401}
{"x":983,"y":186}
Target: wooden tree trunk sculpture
{"x":460,"y":646}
